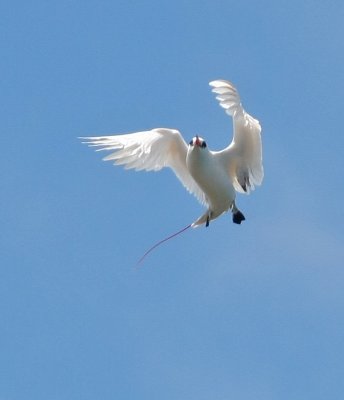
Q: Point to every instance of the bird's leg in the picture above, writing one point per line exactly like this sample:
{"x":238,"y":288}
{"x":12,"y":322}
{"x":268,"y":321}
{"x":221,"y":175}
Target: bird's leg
{"x":210,"y":214}
{"x":238,"y":216}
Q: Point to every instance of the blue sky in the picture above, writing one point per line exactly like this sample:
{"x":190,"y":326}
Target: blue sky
{"x":230,"y":312}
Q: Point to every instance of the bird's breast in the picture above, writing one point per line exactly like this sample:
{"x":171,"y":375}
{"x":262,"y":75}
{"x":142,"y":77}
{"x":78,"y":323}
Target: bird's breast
{"x":211,"y":177}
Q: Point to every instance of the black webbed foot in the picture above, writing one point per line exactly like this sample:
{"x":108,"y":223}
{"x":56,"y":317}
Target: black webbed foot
{"x":207,"y":223}
{"x":238,"y":217}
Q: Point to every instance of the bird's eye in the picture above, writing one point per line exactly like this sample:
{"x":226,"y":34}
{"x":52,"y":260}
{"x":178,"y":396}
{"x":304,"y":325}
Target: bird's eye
{"x":191,"y":142}
{"x":204,"y":144}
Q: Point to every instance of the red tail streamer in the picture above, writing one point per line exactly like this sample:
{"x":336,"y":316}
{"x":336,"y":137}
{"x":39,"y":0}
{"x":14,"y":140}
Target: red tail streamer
{"x":161,"y":242}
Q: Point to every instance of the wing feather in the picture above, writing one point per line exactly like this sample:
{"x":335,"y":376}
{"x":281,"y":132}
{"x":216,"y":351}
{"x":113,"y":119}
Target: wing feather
{"x":243,"y":157}
{"x":151,"y":151}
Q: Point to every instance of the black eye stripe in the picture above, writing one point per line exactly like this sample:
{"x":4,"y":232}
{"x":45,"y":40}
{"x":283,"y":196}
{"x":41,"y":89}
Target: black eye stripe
{"x":204,"y":144}
{"x":191,"y":142}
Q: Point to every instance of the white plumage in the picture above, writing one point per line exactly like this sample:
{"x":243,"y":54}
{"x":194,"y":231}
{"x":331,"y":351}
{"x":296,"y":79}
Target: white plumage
{"x":212,"y":176}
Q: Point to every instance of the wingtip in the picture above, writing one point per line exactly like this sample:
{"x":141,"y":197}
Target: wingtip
{"x":214,"y":83}
{"x":89,"y":141}
{"x":220,"y":82}
{"x":84,"y":139}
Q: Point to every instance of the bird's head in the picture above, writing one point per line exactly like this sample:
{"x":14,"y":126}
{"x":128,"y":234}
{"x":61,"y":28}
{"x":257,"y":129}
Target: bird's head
{"x":197,"y":141}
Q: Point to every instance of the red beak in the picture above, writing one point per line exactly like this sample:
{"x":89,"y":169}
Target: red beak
{"x":198,"y":142}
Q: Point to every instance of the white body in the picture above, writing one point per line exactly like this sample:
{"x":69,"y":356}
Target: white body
{"x":213,"y":177}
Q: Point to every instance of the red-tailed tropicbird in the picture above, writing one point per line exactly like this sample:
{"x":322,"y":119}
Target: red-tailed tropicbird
{"x":212,"y":176}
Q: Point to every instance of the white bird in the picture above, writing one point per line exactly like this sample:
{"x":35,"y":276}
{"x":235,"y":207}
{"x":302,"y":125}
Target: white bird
{"x":212,"y":176}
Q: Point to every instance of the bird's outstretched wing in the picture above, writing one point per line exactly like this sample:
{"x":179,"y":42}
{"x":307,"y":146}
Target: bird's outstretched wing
{"x":150,"y":151}
{"x":243,"y":156}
